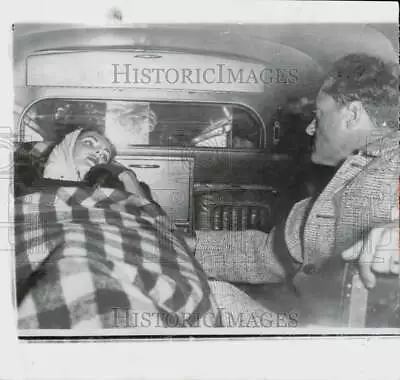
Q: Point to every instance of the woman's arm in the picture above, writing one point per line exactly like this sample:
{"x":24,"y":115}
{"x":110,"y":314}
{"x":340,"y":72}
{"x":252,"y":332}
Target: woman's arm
{"x":132,"y":184}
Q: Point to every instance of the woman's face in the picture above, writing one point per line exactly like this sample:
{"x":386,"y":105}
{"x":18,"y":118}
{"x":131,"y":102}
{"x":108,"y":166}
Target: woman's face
{"x":91,"y":148}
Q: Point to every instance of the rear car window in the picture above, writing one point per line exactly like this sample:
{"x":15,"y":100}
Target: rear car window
{"x":163,"y":124}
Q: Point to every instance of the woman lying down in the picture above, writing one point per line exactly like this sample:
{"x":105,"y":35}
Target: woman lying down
{"x":94,"y":251}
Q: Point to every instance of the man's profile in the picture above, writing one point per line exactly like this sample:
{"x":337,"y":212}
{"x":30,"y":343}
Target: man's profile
{"x":356,"y":132}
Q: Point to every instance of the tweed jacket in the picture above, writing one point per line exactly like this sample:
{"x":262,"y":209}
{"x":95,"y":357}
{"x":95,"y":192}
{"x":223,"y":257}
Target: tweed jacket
{"x":363,"y":194}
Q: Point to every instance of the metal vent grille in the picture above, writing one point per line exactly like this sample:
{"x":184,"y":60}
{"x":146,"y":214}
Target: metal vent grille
{"x":236,"y":217}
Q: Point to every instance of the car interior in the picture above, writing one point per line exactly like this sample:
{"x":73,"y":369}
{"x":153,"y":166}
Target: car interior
{"x":216,"y":156}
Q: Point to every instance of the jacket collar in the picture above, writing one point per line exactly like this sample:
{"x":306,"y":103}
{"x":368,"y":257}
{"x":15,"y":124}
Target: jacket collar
{"x":379,"y":144}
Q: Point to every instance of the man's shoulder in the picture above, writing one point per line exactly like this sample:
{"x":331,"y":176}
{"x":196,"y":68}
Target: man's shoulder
{"x":377,"y":183}
{"x":385,"y":153}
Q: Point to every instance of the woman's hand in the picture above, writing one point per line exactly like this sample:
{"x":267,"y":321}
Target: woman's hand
{"x":378,"y":253}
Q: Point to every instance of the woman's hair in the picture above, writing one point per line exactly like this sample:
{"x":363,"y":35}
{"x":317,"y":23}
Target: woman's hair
{"x":103,"y":176}
{"x":106,"y":175}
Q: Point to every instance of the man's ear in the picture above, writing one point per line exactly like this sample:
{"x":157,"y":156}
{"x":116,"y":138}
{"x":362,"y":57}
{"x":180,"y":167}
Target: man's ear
{"x":354,"y":112}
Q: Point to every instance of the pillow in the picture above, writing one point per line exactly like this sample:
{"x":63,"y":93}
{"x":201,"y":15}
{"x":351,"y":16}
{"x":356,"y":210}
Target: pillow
{"x":29,"y":161}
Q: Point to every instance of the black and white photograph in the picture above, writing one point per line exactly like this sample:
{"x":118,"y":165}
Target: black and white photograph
{"x":182,"y":176}
{"x":175,"y":179}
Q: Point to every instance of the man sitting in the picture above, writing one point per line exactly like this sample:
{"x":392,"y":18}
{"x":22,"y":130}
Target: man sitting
{"x":355,"y":215}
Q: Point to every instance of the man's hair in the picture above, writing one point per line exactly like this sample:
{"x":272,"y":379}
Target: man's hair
{"x":370,"y":80}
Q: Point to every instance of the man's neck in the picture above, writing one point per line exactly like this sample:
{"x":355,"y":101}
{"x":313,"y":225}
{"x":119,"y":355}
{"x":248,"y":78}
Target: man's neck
{"x":372,"y":140}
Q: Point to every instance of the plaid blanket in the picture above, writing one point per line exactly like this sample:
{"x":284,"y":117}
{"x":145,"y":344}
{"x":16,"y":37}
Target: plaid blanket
{"x":104,"y":259}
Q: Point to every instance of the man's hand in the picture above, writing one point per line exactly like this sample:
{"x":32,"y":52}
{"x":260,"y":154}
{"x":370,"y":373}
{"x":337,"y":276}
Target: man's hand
{"x":379,"y":253}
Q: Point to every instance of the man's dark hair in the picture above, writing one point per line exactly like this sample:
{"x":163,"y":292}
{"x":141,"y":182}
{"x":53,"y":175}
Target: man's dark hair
{"x":370,"y":80}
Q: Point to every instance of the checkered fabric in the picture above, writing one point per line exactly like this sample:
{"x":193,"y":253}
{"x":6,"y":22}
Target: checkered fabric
{"x":92,"y":258}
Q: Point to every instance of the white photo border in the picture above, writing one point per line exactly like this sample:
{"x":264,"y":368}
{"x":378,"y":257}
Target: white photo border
{"x":271,"y":358}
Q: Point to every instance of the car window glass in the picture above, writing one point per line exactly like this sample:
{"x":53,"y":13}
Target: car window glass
{"x":127,"y":123}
